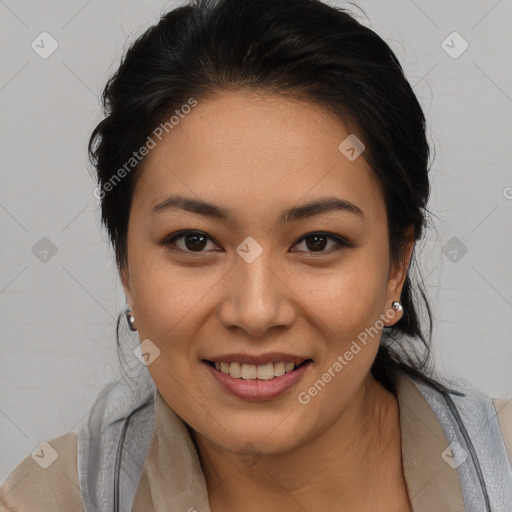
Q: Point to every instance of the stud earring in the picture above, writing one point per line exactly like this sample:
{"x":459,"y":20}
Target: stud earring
{"x":131,"y":320}
{"x":397,"y":306}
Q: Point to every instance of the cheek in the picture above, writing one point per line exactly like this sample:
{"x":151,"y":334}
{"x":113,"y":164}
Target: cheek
{"x":167,"y":297}
{"x":348,"y":322}
{"x":170,"y":306}
{"x":347,"y":299}
{"x":348,"y":319}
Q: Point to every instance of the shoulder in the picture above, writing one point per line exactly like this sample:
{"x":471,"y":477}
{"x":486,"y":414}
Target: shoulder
{"x":47,"y":480}
{"x":504,"y":412}
{"x":475,"y":404}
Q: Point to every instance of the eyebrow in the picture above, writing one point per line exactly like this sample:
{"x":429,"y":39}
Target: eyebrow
{"x":296,"y":213}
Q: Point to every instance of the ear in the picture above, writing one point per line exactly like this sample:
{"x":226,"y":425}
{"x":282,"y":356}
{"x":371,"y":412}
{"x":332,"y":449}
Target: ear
{"x":124,"y":275}
{"x":398,"y":272}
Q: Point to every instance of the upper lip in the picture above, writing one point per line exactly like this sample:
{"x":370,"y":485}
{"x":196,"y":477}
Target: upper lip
{"x":257,"y":359}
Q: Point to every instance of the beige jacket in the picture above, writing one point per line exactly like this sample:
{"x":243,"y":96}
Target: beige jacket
{"x":172,"y":465}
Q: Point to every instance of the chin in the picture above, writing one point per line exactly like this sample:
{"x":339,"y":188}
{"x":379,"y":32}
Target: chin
{"x":248,"y":434}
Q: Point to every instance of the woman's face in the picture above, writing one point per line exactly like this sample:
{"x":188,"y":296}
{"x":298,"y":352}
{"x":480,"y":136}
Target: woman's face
{"x":250,"y":288}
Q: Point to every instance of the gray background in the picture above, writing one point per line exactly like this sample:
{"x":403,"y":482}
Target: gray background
{"x":58,"y":316}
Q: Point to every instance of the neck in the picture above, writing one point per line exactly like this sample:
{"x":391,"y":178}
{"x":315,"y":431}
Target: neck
{"x":357,"y":455}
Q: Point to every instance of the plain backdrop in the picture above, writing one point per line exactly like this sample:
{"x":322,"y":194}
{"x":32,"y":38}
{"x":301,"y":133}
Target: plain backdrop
{"x":58,"y":308}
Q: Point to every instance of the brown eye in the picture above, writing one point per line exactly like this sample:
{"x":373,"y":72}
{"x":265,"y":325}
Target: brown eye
{"x":317,"y":242}
{"x":195,"y":242}
{"x":192,"y":241}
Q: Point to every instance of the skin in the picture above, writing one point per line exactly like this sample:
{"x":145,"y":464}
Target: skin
{"x":258,"y":155}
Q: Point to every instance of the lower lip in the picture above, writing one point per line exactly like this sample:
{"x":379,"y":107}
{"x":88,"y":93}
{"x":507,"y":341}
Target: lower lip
{"x":256,"y":389}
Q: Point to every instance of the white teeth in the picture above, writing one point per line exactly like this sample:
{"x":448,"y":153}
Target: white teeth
{"x":251,"y":371}
{"x":265,"y":371}
{"x":279,"y":369}
{"x":235,"y":370}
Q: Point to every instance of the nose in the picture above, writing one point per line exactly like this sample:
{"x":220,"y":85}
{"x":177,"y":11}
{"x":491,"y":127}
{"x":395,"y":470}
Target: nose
{"x":256,"y":297}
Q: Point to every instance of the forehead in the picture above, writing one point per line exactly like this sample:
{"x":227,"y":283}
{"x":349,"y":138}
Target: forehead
{"x":256,"y":152}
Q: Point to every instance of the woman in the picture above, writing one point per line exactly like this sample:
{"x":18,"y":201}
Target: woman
{"x":263,"y":177}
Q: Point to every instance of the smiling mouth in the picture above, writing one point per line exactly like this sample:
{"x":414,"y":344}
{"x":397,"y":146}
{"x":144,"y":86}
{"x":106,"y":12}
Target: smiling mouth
{"x":255,"y":372}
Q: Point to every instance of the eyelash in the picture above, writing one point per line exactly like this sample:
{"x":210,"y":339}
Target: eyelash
{"x":169,"y":241}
